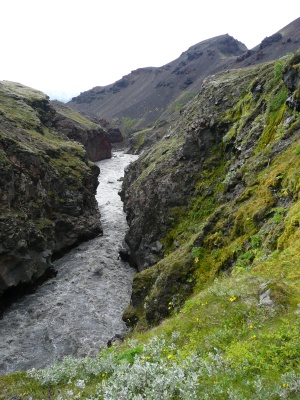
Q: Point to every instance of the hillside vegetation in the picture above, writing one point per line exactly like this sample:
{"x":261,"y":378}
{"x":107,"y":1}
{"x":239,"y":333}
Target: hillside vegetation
{"x":214,"y":215}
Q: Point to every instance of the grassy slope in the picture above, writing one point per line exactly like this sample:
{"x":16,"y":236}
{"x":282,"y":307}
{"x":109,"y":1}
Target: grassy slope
{"x":239,"y":331}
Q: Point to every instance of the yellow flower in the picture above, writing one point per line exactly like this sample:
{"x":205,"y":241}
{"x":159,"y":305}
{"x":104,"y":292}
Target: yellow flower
{"x":285,"y":385}
{"x":170,"y":356}
{"x":232,"y":299}
{"x":196,"y":260}
{"x":250,"y":326}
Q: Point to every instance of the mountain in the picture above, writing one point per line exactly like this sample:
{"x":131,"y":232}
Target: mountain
{"x":47,"y":186}
{"x":141,"y":97}
{"x":150,"y":96}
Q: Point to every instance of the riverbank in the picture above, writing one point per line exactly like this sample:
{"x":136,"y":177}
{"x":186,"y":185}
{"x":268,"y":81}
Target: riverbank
{"x":81,"y":308}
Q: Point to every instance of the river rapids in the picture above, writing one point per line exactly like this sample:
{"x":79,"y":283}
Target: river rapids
{"x":80,"y":309}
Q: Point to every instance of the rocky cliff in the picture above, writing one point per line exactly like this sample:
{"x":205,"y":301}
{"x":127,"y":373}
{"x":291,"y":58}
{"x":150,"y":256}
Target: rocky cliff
{"x":47,"y":189}
{"x":219,"y":192}
{"x":75,"y":126}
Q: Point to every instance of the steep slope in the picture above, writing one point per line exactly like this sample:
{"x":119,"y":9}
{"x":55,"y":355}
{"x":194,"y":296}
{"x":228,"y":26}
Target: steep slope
{"x":140,"y":98}
{"x":154,"y":96}
{"x":224,"y":176}
{"x":94,"y":138}
{"x":286,"y":40}
{"x":47,"y":189}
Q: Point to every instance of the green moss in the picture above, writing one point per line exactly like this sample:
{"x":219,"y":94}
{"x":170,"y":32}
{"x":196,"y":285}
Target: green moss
{"x":129,"y":125}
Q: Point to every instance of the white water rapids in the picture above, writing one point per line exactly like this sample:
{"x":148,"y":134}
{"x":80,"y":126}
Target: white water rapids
{"x":81,"y":308}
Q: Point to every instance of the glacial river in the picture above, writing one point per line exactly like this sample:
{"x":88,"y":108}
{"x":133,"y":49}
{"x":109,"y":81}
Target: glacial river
{"x":81,"y":308}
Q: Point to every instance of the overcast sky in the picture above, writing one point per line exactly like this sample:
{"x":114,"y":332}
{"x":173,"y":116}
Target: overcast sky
{"x":64,"y":47}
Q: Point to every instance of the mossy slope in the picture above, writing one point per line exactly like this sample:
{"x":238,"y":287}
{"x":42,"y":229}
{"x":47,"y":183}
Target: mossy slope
{"x":218,"y":189}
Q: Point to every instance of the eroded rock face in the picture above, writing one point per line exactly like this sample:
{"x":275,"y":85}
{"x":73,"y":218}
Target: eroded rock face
{"x":191,"y":190}
{"x":47,"y":188}
{"x":115,"y":135}
{"x":95,"y":140}
{"x":291,"y":77}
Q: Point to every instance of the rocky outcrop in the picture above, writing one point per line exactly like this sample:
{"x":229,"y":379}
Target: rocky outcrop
{"x":94,"y":138}
{"x":269,"y":40}
{"x":201,"y":199}
{"x":115,"y":135}
{"x":291,"y":77}
{"x":47,"y":189}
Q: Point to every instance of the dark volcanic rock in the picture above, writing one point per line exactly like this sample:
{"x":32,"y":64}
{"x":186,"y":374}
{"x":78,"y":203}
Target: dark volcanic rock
{"x":77,"y":127}
{"x":196,"y":178}
{"x":47,"y":188}
{"x":115,"y":135}
{"x":270,"y":40}
{"x":291,"y":77}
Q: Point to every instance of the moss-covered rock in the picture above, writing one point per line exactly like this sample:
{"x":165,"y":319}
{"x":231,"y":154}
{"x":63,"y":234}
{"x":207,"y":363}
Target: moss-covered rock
{"x":75,"y":126}
{"x":222,"y":181}
{"x":47,"y":188}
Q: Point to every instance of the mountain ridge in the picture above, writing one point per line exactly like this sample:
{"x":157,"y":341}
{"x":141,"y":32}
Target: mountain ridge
{"x":147,"y":96}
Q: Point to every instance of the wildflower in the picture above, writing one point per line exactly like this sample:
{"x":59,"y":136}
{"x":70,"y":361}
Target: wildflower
{"x":250,"y":326}
{"x":285,"y":385}
{"x":80,"y":383}
{"x":170,"y":356}
{"x":232,"y":299}
{"x":196,"y":260}
{"x":253,"y":337}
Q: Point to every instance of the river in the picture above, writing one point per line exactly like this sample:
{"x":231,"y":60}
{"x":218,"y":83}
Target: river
{"x":81,"y":308}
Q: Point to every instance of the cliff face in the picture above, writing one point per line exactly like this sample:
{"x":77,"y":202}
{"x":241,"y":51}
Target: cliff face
{"x":47,"y":188}
{"x":219,"y":191}
{"x":94,"y":138}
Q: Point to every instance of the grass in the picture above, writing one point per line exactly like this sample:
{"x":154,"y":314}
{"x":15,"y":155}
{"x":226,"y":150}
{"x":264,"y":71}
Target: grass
{"x":223,"y":344}
{"x":219,"y":316}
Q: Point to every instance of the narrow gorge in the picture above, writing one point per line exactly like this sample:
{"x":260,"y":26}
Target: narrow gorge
{"x":81,"y":308}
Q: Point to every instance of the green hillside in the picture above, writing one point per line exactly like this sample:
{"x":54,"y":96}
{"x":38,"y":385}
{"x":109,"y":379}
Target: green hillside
{"x":217,"y":315}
